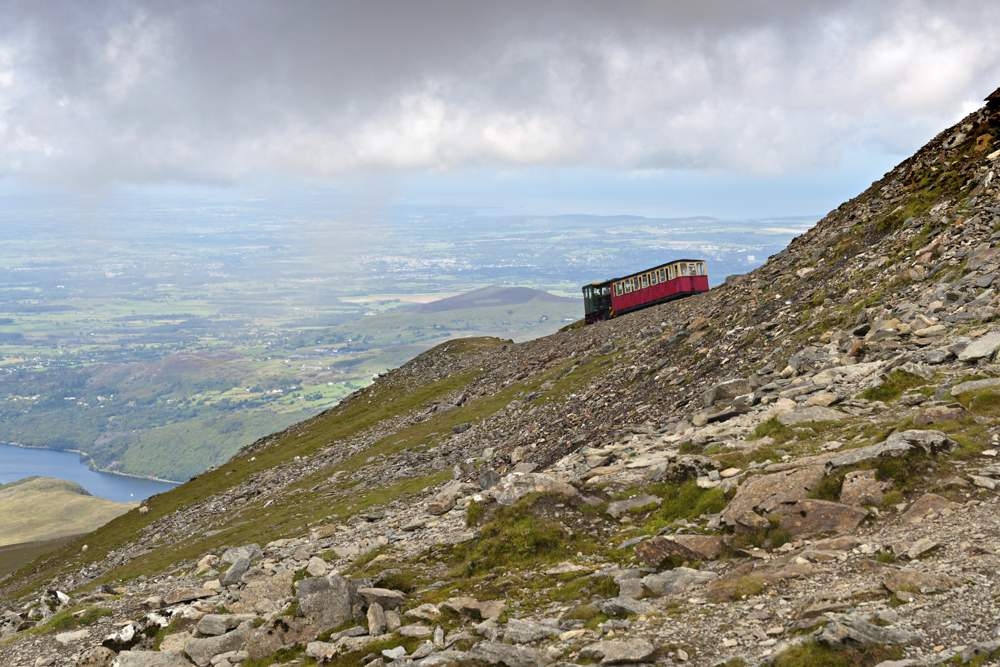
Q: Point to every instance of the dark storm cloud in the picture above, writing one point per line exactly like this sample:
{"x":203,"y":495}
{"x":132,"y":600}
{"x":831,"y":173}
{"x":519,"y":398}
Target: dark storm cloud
{"x":103,"y":92}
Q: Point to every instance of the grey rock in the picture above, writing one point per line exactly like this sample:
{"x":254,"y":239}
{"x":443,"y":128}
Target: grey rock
{"x":725,"y":391}
{"x":625,"y":606}
{"x":251,"y":552}
{"x":212,"y":625}
{"x":150,"y":659}
{"x":519,"y":631}
{"x":676,"y":581}
{"x":983,"y":347}
{"x":498,"y":654}
{"x":326,"y":601}
{"x":813,"y":413}
{"x":975,"y":385}
{"x":376,"y":619}
{"x":236,"y":571}
{"x":202,"y":650}
{"x":855,"y":629}
{"x":619,"y":652}
{"x":620,"y":507}
{"x":388,"y":598}
{"x":96,"y":656}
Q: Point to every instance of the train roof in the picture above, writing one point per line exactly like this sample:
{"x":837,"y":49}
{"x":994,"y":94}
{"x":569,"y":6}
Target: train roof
{"x":600,"y":283}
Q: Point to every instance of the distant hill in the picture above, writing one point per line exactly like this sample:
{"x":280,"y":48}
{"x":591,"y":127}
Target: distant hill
{"x":492,"y":296}
{"x":519,"y":313}
{"x":37,"y":509}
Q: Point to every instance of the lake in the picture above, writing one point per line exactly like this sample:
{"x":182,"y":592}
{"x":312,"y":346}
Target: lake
{"x":18,"y":462}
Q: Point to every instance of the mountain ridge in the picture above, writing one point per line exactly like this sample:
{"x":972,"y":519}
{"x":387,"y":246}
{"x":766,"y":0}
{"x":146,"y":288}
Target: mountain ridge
{"x":788,"y":469}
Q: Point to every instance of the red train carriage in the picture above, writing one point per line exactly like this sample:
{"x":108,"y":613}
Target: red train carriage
{"x":673,"y":280}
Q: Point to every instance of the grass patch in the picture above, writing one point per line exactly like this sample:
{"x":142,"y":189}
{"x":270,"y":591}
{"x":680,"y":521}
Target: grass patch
{"x":985,"y":403}
{"x":516,"y":537}
{"x":680,"y":501}
{"x":814,"y":654}
{"x":775,"y":430}
{"x":70,"y":619}
{"x":893,"y":386}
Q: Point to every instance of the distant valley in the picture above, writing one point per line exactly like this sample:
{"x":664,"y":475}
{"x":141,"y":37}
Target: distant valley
{"x":163,"y":346}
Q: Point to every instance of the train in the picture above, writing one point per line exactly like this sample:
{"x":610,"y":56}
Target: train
{"x":649,"y":287}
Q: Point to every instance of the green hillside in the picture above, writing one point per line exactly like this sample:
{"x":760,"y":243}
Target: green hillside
{"x":39,"y":509}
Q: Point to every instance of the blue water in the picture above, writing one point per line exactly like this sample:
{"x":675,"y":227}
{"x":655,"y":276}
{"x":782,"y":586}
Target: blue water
{"x":17,"y":463}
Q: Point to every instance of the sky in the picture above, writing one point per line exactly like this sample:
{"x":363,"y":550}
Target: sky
{"x":733,"y":109}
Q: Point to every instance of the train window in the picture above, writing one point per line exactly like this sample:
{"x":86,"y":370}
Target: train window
{"x":661,"y":275}
{"x":618,"y":289}
{"x":654,"y":278}
{"x":644,"y":280}
{"x":702,"y":269}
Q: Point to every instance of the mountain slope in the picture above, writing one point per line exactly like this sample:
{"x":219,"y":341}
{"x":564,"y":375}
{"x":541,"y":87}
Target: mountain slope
{"x":804,"y":440}
{"x":41,"y":508}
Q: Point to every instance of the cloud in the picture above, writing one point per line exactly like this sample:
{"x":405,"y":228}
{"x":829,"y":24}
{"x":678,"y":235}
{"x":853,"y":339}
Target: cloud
{"x":224,"y":90}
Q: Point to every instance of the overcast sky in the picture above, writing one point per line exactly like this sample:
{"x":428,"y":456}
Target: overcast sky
{"x":600,"y":104}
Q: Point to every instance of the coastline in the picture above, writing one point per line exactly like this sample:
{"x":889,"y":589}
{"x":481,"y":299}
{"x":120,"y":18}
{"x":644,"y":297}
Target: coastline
{"x":84,"y":456}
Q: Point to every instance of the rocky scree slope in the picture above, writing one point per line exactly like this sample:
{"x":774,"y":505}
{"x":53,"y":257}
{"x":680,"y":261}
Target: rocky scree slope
{"x":796,"y":468}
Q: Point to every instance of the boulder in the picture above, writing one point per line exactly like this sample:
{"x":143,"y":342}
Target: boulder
{"x":659,"y":551}
{"x":186,"y":595}
{"x":213,"y":625}
{"x":498,"y":654}
{"x":897,"y":444}
{"x":927,"y":506}
{"x":519,"y":631}
{"x":150,"y":659}
{"x":812,"y":413}
{"x":764,"y":493}
{"x":975,"y":385}
{"x":251,"y":552}
{"x":236,"y":571}
{"x":515,"y":486}
{"x":473,"y":608}
{"x":326,"y":601}
{"x":621,"y":507}
{"x":816,"y":517}
{"x":618,"y":652}
{"x":202,"y":650}
{"x":983,"y":347}
{"x":727,"y":390}
{"x":907,"y":580}
{"x":676,"y":581}
{"x":854,"y":630}
{"x":862,"y":487}
{"x":97,"y":656}
{"x":388,"y":598}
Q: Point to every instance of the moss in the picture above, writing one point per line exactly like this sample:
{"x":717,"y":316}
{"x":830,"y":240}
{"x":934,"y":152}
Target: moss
{"x":893,"y":386}
{"x":747,"y":586}
{"x":583,"y":588}
{"x":814,"y":654}
{"x":591,"y":616}
{"x":775,"y":430}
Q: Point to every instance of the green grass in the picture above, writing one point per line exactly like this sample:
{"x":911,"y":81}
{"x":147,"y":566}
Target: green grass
{"x":517,"y":537}
{"x":984,"y":403}
{"x":71,"y":619}
{"x":893,"y":386}
{"x":814,"y":654}
{"x":680,"y":501}
{"x":774,"y":429}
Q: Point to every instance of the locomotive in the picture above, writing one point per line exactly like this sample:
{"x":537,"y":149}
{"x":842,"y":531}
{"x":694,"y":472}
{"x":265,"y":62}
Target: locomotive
{"x":666,"y":282}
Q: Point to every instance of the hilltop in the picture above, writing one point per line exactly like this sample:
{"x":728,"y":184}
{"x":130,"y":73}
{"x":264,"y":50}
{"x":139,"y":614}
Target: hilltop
{"x":40,"y":510}
{"x":796,"y":468}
